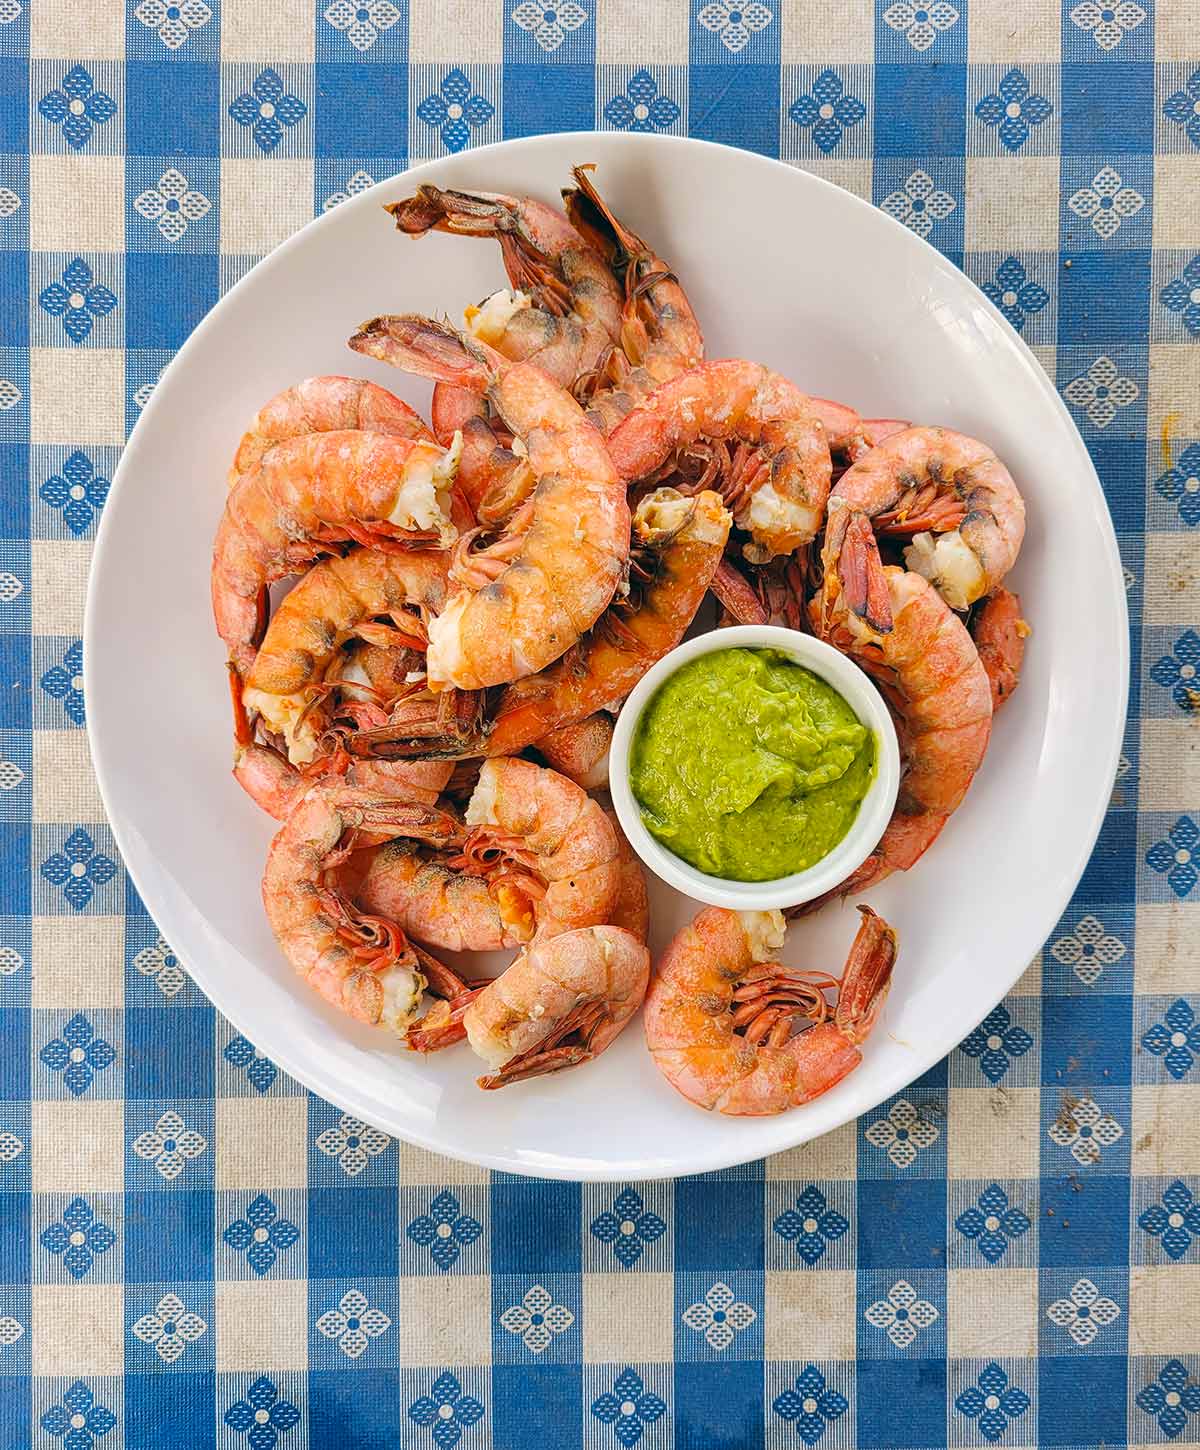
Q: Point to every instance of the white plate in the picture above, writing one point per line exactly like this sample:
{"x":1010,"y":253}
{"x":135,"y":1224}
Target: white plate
{"x":848,"y":304}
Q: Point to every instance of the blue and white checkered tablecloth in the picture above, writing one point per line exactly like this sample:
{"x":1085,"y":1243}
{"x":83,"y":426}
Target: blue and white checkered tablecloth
{"x":193,"y":1250}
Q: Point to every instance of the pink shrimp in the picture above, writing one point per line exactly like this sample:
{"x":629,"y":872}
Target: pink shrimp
{"x":325,"y":405}
{"x":928,"y":669}
{"x":339,"y":599}
{"x":310,"y":492}
{"x":276,"y":786}
{"x":950,"y":495}
{"x":565,"y":307}
{"x":678,"y":544}
{"x":562,"y":1002}
{"x":1000,"y":633}
{"x":545,"y":844}
{"x":529,"y":596}
{"x":541,"y":858}
{"x":361,"y":964}
{"x":764,"y":447}
{"x":580,"y":750}
{"x":660,"y":335}
{"x":721,"y":1014}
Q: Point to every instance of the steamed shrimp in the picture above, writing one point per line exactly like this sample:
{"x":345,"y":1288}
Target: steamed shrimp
{"x":951,"y":496}
{"x":531,"y":594}
{"x":276,"y":785}
{"x":547,"y":848}
{"x":660,"y":336}
{"x":361,"y":964}
{"x":564,"y":309}
{"x":580,"y":750}
{"x":337,"y":599}
{"x":494,"y":473}
{"x":563,"y":314}
{"x":430,"y":900}
{"x":775,"y":478}
{"x":312,"y":491}
{"x":325,"y":405}
{"x":1000,"y":633}
{"x":540,"y":857}
{"x":562,"y":1002}
{"x":721,"y":1014}
{"x":928,"y":669}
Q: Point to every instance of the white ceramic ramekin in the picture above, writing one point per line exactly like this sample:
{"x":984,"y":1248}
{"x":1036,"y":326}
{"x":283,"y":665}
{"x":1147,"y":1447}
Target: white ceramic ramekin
{"x":873,"y":814}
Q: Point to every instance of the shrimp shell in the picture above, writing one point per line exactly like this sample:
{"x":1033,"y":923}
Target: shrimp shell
{"x":554,"y":579}
{"x":951,"y":495}
{"x":584,"y":985}
{"x":315,"y":620}
{"x":545,"y":823}
{"x":779,"y":495}
{"x":309,"y":492}
{"x":720,"y":973}
{"x":325,"y":405}
{"x":361,"y":965}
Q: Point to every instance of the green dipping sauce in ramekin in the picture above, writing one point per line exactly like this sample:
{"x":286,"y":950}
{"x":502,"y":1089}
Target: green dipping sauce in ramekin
{"x":749,"y":766}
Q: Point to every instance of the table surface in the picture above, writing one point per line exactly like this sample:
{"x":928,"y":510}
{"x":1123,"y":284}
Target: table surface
{"x":194,"y":1250}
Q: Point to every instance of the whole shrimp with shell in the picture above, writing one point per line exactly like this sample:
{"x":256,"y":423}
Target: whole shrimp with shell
{"x":549,"y":576}
{"x":722,"y":1014}
{"x":895,"y":625}
{"x":310,"y":493}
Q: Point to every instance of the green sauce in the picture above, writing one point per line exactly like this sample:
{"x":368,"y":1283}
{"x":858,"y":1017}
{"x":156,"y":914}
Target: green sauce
{"x":749,"y":766}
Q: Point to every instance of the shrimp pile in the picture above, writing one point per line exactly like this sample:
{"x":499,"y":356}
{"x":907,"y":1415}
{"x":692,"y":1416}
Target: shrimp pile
{"x":427,"y":712}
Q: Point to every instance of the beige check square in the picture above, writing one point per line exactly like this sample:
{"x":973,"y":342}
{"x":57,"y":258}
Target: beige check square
{"x":421,"y":1168}
{"x":991,"y":1312}
{"x":1169,"y":770}
{"x":1173,"y":576}
{"x":456,"y":32}
{"x":833,"y":1155}
{"x":263,"y":203}
{"x":851,"y":173}
{"x":77,"y":1146}
{"x":447,"y":1320}
{"x":64,"y":783}
{"x":1173,"y":390}
{"x":76,"y":396}
{"x":630,"y":32}
{"x":262,"y":1142}
{"x":266,"y":34}
{"x":1163,"y":1131}
{"x":60,"y":28}
{"x":1003,"y":188}
{"x":1176,"y":209}
{"x":824,"y":32}
{"x":993,"y":1132}
{"x":809,"y":1315}
{"x":58,"y":580}
{"x":261,"y":1322}
{"x":628,"y":1316}
{"x":1164,"y":1309}
{"x":78,"y":1329}
{"x":78,"y":962}
{"x":1002,"y":34}
{"x":76,"y":203}
{"x":1167,"y":961}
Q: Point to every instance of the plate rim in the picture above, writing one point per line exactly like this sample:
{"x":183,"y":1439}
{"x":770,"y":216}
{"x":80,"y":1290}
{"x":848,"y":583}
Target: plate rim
{"x":953,"y":1028}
